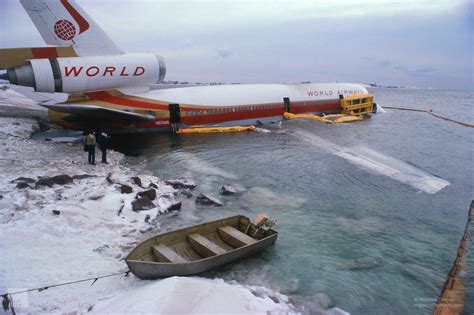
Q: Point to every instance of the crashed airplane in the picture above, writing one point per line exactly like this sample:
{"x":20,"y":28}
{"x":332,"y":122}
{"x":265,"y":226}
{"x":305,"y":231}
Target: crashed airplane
{"x":110,"y":89}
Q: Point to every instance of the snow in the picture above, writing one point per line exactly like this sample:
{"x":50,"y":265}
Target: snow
{"x":179,"y":295}
{"x":94,"y":231}
{"x":12,"y":98}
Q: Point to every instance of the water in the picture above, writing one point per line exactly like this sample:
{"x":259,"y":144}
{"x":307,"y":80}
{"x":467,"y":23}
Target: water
{"x":391,"y":192}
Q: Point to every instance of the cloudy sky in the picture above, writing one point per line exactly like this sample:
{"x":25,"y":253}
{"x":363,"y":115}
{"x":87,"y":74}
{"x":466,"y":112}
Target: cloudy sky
{"x":425,"y":43}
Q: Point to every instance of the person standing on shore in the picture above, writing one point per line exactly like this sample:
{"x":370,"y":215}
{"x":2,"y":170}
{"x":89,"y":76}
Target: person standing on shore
{"x":103,"y":137}
{"x":90,"y":143}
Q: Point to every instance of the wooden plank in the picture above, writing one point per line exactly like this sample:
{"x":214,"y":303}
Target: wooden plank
{"x":234,"y":237}
{"x":165,"y":254}
{"x":204,"y":246}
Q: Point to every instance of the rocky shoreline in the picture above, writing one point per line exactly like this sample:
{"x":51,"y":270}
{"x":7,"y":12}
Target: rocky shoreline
{"x":63,"y":219}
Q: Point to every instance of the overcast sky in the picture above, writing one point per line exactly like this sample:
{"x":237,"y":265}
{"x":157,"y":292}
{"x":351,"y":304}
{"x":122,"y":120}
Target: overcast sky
{"x":422,"y":43}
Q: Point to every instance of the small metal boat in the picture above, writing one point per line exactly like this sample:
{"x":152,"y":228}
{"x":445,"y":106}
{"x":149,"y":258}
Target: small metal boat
{"x":201,"y":247}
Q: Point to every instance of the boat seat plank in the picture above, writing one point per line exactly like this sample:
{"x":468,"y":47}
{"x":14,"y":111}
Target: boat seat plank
{"x":204,"y":246}
{"x":165,"y":254}
{"x":234,"y":237}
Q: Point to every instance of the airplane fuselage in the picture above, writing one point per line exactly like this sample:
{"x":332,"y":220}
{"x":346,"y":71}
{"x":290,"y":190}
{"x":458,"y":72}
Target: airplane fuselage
{"x":219,"y":105}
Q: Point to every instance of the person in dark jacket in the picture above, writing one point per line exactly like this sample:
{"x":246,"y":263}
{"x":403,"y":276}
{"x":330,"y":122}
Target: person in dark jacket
{"x":90,"y":143}
{"x":103,"y":137}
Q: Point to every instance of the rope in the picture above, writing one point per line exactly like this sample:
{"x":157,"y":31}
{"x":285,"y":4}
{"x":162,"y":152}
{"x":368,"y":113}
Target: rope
{"x":431,"y":113}
{"x":7,"y":301}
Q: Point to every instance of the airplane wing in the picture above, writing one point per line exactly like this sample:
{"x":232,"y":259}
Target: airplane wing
{"x":93,"y":112}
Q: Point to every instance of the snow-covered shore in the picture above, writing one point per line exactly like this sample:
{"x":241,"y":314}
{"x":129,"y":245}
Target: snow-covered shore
{"x":84,"y":228}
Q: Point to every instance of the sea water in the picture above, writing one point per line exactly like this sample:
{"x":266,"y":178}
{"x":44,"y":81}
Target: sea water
{"x":369,"y":213}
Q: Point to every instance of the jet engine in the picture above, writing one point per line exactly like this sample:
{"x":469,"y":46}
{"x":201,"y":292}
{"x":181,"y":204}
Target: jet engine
{"x":87,"y":74}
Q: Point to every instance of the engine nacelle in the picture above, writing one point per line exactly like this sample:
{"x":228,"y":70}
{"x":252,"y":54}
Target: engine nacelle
{"x":87,"y":74}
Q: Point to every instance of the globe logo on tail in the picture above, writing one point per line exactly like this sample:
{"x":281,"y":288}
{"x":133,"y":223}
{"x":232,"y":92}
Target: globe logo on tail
{"x":64,"y":29}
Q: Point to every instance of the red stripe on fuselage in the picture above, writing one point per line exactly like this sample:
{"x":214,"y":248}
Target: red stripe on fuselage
{"x":117,"y":100}
{"x":211,"y":115}
{"x":44,"y":52}
{"x":82,"y":22}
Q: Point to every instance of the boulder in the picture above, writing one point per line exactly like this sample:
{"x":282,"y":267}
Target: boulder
{"x":150,"y":194}
{"x":152,"y":185}
{"x":168,"y":203}
{"x":142,"y":204}
{"x":181,"y":183}
{"x":175,"y":206}
{"x":55,"y":180}
{"x":21,"y":185}
{"x":24,"y":179}
{"x":207,"y":200}
{"x":228,"y":190}
{"x":56,"y":212}
{"x":137,"y":181}
{"x":125,"y":189}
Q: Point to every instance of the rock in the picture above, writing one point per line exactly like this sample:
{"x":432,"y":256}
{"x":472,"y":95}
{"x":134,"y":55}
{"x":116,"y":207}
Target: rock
{"x":137,"y":181}
{"x":109,"y":178}
{"x":143,"y":231}
{"x":21,"y":185}
{"x":48,"y":139}
{"x":58,"y":180}
{"x":181,"y":183}
{"x":56,"y":212}
{"x":168,"y":203}
{"x":24,"y":179}
{"x":125,"y":189}
{"x":186,"y":193}
{"x":228,"y":190}
{"x":152,"y":185}
{"x":147,"y":218}
{"x":43,"y":124}
{"x":83,"y":176}
{"x":322,"y":300}
{"x":150,"y":194}
{"x":96,"y":197}
{"x":175,"y":206}
{"x":206,"y":200}
{"x":142,"y":204}
{"x":121,"y":208}
{"x":101,"y":249}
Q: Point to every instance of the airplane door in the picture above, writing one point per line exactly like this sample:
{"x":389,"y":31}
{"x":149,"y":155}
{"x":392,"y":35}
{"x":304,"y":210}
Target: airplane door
{"x":286,"y":100}
{"x":175,"y":116}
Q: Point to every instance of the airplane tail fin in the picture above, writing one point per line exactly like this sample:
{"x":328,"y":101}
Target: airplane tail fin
{"x":65,"y":23}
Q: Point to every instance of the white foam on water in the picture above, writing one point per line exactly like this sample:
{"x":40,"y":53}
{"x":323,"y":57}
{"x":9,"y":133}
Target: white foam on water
{"x":198,"y":165}
{"x":379,"y":163}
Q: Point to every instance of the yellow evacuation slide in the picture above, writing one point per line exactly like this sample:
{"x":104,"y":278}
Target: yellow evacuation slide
{"x":217,"y":129}
{"x":330,"y":119}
